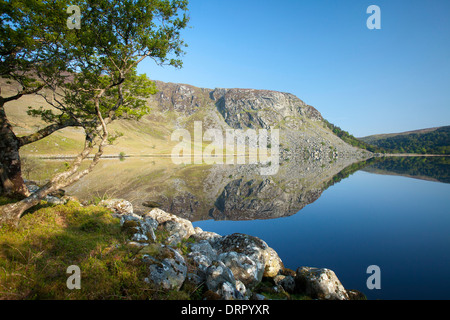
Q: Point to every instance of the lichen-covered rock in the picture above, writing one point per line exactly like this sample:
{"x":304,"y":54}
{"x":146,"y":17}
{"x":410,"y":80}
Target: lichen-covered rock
{"x":248,"y":271}
{"x":320,"y":283}
{"x":220,"y":280}
{"x":167,"y":268}
{"x":228,"y":291}
{"x":240,"y":286}
{"x":118,"y":206}
{"x":211,"y":237}
{"x":140,"y":229}
{"x":255,"y":249}
{"x":273,"y":263}
{"x":202,"y":255}
{"x":177,"y":228}
{"x":218,"y":273}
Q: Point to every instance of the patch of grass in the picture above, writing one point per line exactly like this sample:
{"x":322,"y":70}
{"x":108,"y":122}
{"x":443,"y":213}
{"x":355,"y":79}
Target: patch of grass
{"x":34,"y":257}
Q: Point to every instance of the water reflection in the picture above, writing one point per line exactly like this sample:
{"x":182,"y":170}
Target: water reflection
{"x":426,"y":168}
{"x":204,"y":192}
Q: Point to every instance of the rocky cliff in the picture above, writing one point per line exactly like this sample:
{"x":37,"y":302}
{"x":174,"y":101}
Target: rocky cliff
{"x":302,"y":129}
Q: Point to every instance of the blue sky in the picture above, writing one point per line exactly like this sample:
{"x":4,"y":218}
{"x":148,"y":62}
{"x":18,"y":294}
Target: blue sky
{"x":365,"y":81}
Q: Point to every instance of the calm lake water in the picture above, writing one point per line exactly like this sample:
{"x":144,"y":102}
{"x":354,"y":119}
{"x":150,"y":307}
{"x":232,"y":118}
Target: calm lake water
{"x":398,"y":223}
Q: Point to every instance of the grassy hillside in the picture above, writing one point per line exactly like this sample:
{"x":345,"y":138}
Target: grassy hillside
{"x":425,"y":141}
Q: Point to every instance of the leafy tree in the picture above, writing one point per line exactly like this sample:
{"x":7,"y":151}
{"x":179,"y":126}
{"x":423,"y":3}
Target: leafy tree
{"x":97,"y":82}
{"x":28,"y":53}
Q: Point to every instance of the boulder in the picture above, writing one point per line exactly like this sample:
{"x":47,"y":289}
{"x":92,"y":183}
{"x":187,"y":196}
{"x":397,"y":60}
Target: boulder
{"x":220,"y":280}
{"x":255,"y":249}
{"x":167,"y":268}
{"x":140,"y":229}
{"x":319,"y":283}
{"x":202,"y":255}
{"x":218,"y":273}
{"x":211,"y":237}
{"x":228,"y":291}
{"x":176,"y":228}
{"x":245,"y":269}
{"x":118,"y":206}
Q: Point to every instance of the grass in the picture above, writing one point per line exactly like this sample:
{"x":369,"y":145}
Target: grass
{"x":34,"y":257}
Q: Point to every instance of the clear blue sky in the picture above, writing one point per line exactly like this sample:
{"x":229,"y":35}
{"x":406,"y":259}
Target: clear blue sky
{"x":365,"y":81}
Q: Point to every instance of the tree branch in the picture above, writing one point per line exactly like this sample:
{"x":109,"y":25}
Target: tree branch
{"x":46,"y":132}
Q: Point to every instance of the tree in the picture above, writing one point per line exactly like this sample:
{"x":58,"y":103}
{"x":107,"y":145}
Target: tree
{"x":29,"y":33}
{"x":100,"y":83}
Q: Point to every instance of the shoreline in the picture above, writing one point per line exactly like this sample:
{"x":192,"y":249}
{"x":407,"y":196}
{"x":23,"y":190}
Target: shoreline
{"x":71,"y":157}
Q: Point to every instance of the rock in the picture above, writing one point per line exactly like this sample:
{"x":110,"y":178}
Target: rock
{"x":228,"y":291}
{"x":249,"y":271}
{"x":202,"y":255}
{"x":118,"y":206}
{"x":273,"y":263}
{"x":286,"y":282}
{"x":319,"y":283}
{"x":176,"y":227}
{"x":218,"y":273}
{"x":220,"y":280}
{"x":255,"y":249}
{"x":211,"y":237}
{"x":198,"y":230}
{"x":205,"y":248}
{"x":356,"y":295}
{"x":138,"y":228}
{"x":54,"y":200}
{"x":243,"y":290}
{"x":32,"y":187}
{"x":167,"y":268}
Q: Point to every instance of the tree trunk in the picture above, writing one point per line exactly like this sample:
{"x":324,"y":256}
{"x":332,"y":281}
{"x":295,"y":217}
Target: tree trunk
{"x":11,"y":181}
{"x":11,"y":213}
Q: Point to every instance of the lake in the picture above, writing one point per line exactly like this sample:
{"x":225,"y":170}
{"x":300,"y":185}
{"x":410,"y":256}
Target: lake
{"x":344,"y":215}
{"x":398,"y":223}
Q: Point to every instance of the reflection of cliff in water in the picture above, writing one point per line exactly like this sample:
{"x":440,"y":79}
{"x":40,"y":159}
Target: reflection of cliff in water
{"x":233,"y":192}
{"x":426,"y":168}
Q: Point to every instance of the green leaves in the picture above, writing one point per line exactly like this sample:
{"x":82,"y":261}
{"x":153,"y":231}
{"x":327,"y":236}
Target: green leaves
{"x":90,"y":72}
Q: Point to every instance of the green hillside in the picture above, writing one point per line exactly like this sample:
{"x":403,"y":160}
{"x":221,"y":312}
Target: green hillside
{"x":425,"y":141}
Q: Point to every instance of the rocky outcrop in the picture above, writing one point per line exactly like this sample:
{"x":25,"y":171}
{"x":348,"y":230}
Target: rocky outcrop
{"x":231,"y":267}
{"x":248,"y":108}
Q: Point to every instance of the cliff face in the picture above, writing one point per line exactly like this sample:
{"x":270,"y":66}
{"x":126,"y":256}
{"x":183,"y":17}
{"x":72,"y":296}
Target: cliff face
{"x":239,"y":108}
{"x":247,"y":108}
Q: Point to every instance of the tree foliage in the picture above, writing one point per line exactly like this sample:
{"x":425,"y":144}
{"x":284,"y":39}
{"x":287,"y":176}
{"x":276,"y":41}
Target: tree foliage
{"x":350,"y":139}
{"x":433,"y":142}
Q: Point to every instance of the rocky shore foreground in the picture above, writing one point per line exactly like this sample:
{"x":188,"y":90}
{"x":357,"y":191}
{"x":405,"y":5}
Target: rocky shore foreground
{"x":231,"y":267}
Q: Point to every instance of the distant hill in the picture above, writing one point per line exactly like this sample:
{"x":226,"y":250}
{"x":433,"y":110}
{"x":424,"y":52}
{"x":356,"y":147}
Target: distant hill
{"x":424,"y":141}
